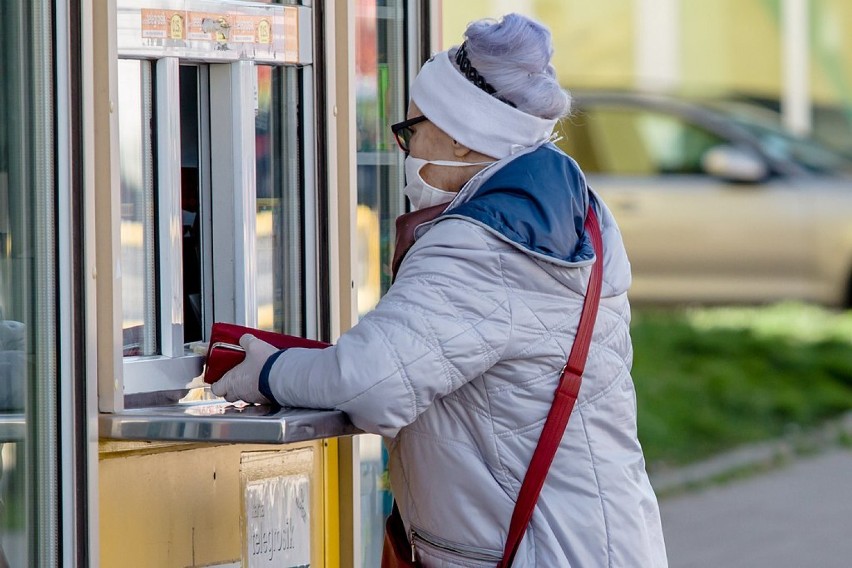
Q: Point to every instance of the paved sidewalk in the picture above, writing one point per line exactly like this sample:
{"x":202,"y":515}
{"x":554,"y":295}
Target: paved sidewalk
{"x":798,"y":516}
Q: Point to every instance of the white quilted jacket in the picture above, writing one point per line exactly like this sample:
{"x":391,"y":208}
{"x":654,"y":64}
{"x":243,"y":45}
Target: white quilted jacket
{"x":457,"y":367}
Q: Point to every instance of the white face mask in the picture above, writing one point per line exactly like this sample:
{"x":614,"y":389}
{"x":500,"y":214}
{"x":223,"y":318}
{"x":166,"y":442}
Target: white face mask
{"x":420,"y":193}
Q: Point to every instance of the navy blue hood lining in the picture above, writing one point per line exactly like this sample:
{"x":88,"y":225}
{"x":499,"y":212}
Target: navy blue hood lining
{"x":537,"y":202}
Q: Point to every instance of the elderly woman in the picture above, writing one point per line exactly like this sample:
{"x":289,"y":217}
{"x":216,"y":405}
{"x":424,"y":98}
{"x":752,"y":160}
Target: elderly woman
{"x":458,"y":364}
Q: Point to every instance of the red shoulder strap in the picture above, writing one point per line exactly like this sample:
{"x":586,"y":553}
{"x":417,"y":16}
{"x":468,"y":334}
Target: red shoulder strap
{"x":563,"y":404}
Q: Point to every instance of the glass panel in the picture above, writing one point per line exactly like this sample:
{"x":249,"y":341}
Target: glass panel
{"x":376,"y":498}
{"x":381,"y":100}
{"x":279,"y":201}
{"x":28,"y":373}
{"x":192,"y":118}
{"x":138,"y":221}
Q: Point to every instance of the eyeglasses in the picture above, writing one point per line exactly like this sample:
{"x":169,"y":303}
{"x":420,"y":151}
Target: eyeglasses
{"x":403,"y":132}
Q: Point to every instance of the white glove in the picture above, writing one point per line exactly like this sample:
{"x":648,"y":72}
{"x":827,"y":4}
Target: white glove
{"x":241,"y":382}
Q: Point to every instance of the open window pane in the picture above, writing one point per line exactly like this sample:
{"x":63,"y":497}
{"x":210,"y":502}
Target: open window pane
{"x":193,"y":115}
{"x":138,"y":219}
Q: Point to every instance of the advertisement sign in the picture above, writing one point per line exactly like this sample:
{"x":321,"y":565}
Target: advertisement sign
{"x":214,"y":31}
{"x":276,"y":520}
{"x":209,"y":26}
{"x":163,"y":24}
{"x":278,"y":523}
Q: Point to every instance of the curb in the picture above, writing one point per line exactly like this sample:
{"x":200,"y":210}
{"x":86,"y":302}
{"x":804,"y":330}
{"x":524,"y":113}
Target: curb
{"x":753,"y":458}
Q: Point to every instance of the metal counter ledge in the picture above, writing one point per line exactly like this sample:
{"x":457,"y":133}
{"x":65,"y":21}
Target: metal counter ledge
{"x":225,"y":423}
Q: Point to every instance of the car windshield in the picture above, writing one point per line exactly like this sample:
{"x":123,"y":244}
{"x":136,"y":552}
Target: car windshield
{"x":779,"y":143}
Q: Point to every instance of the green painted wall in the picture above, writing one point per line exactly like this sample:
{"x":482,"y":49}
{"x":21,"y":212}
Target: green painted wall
{"x":731,"y":45}
{"x":725,"y":44}
{"x":593,"y":41}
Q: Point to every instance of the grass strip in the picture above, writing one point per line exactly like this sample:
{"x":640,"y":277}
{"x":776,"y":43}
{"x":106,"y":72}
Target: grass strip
{"x":711,"y":379}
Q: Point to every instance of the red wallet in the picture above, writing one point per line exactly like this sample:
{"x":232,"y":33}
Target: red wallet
{"x":224,"y":351}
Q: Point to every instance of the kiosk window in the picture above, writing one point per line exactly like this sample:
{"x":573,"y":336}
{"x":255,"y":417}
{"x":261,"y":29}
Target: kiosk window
{"x":214,"y":208}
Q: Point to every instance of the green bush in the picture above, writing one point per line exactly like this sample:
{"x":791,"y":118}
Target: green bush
{"x":710,"y":379}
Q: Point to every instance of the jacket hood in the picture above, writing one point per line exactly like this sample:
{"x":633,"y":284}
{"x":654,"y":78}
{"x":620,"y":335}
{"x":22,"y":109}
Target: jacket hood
{"x":537,"y":202}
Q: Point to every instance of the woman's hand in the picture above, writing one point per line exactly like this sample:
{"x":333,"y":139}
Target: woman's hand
{"x":241,"y":382}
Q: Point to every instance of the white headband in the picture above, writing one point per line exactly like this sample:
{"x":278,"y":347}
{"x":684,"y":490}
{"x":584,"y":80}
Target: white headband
{"x":470,"y":115}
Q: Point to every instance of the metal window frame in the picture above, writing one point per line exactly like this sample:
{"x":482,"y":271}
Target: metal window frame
{"x":77,"y":407}
{"x":44,"y":444}
{"x":310,"y":183}
{"x":169,"y":222}
{"x":233,"y":165}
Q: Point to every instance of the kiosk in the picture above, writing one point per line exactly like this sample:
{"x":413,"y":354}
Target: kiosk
{"x":231,"y":158}
{"x":167,"y":164}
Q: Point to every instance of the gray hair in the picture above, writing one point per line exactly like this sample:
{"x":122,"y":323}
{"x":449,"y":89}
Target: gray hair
{"x":513,"y":55}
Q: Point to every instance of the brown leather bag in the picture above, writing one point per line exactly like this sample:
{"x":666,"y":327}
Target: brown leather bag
{"x":398,"y":552}
{"x":405,"y":225}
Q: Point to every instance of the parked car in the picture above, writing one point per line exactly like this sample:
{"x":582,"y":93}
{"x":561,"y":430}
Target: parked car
{"x":716,"y":202}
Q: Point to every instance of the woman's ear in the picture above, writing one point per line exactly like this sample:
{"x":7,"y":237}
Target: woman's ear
{"x":460,"y":150}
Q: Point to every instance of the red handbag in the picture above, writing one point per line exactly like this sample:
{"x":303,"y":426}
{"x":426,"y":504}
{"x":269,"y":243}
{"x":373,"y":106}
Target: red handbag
{"x":224,"y":351}
{"x":399,"y":553}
